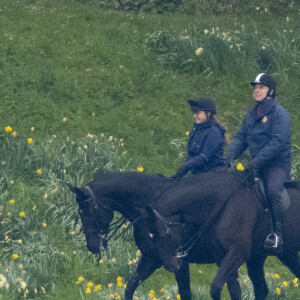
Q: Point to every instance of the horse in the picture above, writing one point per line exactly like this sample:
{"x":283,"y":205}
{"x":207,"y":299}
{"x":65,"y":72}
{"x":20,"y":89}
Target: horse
{"x":153,"y":203}
{"x":129,"y":193}
{"x":231,"y":227}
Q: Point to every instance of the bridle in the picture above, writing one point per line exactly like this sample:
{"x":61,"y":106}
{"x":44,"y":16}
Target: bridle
{"x":114,"y":227}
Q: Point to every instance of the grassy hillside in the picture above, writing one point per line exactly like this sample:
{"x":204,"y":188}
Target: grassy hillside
{"x":72,"y":68}
{"x":130,"y":75}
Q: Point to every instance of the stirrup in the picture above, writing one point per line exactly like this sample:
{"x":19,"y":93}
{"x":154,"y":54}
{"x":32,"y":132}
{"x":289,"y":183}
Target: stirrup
{"x":273,"y":242}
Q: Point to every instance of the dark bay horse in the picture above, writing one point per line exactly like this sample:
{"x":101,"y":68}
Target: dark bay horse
{"x":236,"y":236}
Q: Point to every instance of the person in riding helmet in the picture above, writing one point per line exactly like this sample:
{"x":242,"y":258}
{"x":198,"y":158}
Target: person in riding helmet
{"x":266,"y":131}
{"x":206,"y":140}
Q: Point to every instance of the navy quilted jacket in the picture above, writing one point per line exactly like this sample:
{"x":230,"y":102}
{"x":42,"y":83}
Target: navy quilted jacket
{"x":267,"y":135}
{"x":205,"y":147}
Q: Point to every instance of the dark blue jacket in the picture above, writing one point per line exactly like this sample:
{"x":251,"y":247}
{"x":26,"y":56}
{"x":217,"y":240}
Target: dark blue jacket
{"x":267,"y":135}
{"x":206,"y":147}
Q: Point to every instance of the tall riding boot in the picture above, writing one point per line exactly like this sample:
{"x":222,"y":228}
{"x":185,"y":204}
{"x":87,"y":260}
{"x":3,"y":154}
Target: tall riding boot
{"x":274,"y":240}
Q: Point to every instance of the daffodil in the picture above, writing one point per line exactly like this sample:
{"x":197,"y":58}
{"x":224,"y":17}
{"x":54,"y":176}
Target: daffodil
{"x":199,"y":51}
{"x":98,"y":288}
{"x":8,"y":129}
{"x":240,"y":167}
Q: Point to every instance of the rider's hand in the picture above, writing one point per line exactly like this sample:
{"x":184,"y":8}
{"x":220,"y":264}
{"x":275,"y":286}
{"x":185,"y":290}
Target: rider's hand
{"x":229,"y":163}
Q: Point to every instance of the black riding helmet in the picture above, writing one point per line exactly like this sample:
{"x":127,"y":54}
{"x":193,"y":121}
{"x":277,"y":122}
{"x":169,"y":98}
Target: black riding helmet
{"x":267,"y":80}
{"x":204,"y":104}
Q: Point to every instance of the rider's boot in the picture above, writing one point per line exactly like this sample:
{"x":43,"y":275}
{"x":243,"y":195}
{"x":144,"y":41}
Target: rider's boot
{"x":274,"y":240}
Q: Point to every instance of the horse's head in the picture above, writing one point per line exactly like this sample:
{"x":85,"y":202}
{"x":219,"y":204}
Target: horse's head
{"x":166,"y":239}
{"x":95,"y":217}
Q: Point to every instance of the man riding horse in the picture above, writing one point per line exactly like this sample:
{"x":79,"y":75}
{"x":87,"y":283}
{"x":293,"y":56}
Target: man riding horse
{"x":266,"y":131}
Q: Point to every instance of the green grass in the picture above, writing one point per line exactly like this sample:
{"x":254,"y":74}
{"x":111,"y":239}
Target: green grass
{"x":69,"y":69}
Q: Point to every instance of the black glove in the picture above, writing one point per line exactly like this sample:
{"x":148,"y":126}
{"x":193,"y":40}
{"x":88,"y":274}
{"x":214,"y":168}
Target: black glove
{"x":181,"y":171}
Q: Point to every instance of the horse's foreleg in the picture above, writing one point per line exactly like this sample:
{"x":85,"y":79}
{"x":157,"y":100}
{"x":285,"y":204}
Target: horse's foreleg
{"x":234,"y":287}
{"x":183,"y":281}
{"x":292,"y":261}
{"x":147,"y":265}
{"x":256,"y":274}
{"x":228,"y":273}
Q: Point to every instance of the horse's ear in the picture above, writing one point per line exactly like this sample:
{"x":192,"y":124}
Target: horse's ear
{"x":76,"y":190}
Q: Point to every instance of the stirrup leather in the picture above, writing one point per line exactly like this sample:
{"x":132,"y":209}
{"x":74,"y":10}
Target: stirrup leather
{"x":273,"y":241}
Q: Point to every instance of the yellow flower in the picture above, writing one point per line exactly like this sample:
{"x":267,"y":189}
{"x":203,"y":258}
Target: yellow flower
{"x":295,"y":281}
{"x":44,"y":225}
{"x":64,"y":119}
{"x":88,"y":290}
{"x":30,"y":140}
{"x":285,"y":283}
{"x":140,"y":169}
{"x":199,"y":51}
{"x":98,"y":287}
{"x":8,"y":129}
{"x":151,"y":294}
{"x":22,"y":214}
{"x":12,"y":201}
{"x":14,"y":134}
{"x":80,"y":279}
{"x":287,"y":19}
{"x":12,"y":182}
{"x":43,"y":290}
{"x":20,"y":241}
{"x":240,"y":167}
{"x":278,"y":291}
{"x":111,"y":296}
{"x":277,"y":276}
{"x":206,"y":31}
{"x":15,"y":256}
{"x":178,"y":297}
{"x":187,"y":133}
{"x":89,"y":284}
{"x":39,"y":171}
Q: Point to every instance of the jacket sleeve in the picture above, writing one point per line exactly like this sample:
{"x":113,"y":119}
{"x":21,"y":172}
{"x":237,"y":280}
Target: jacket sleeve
{"x":239,"y":143}
{"x":280,"y":136}
{"x":212,"y":142}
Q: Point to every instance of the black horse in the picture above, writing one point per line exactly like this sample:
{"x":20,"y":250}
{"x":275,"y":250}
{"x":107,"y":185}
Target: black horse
{"x":235,"y":235}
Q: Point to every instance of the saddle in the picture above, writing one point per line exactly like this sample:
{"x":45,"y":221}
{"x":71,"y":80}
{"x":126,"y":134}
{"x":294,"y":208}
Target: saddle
{"x":261,"y":197}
